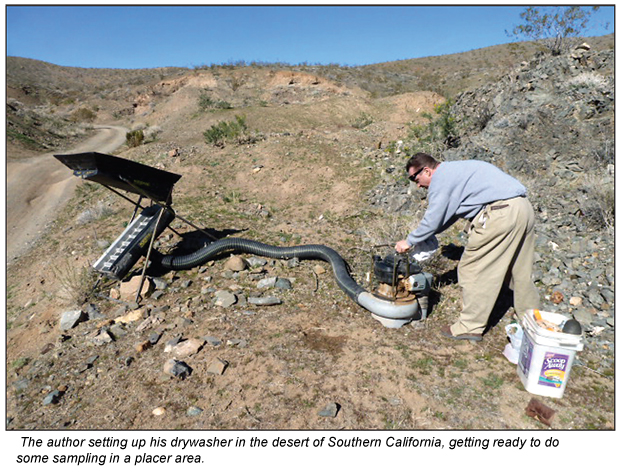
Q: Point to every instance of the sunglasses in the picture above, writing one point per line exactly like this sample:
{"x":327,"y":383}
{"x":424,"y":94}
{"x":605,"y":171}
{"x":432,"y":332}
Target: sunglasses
{"x":415,"y":175}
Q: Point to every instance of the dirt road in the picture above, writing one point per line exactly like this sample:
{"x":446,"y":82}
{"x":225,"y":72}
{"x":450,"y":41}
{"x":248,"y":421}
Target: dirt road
{"x":38,"y":187}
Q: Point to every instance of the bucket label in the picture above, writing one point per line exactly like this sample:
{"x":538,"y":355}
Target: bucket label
{"x":553,"y":370}
{"x":525,"y":356}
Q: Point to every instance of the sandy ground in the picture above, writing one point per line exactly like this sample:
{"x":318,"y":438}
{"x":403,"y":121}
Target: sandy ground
{"x":37,"y":187}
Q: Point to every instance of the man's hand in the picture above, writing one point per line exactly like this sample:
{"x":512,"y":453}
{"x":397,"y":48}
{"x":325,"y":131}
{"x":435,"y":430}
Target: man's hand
{"x":402,"y":246}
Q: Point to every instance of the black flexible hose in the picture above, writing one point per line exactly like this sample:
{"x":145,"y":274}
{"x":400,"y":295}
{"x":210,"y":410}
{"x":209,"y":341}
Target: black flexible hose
{"x":311,"y":251}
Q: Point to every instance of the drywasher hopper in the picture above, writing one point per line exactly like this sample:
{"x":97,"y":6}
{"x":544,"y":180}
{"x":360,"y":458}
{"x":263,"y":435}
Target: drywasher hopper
{"x":126,"y":175}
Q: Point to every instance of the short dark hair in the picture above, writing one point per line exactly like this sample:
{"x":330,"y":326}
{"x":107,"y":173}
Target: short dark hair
{"x":421,"y":160}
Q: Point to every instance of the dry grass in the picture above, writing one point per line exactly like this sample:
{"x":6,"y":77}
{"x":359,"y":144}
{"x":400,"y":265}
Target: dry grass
{"x":75,"y":283}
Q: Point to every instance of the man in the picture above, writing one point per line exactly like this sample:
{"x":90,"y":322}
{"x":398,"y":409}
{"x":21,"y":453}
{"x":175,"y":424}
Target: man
{"x":501,"y":235}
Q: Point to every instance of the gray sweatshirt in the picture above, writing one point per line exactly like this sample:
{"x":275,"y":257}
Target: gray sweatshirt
{"x":460,"y":190}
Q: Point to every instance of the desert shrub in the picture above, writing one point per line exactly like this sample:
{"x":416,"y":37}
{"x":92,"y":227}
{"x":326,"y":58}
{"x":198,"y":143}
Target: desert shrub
{"x":76,"y":284}
{"x":205,"y":102}
{"x":152,"y":133}
{"x":439,"y":133}
{"x":482,"y":117}
{"x":100,"y":210}
{"x":362,"y":121}
{"x":223,"y":131}
{"x":552,"y":27}
{"x":135,"y":138}
{"x":600,"y":208}
{"x":83,"y":115}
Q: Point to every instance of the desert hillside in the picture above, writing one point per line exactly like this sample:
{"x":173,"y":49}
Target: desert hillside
{"x":293,"y":155}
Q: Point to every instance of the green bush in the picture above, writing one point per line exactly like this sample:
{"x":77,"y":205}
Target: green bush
{"x":205,"y":102}
{"x":223,"y":131}
{"x":83,"y":115}
{"x":439,"y":133}
{"x":135,"y":138}
{"x":551,"y":27}
{"x":363,"y":121}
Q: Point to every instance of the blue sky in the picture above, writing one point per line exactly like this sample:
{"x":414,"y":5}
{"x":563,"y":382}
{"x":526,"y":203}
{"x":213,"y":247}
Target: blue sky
{"x":189,"y":36}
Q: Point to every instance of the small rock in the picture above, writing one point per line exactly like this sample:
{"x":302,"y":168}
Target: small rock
{"x":118,"y":331}
{"x":182,"y":322}
{"x":159,"y":283}
{"x":608,"y":294}
{"x":584,"y":317}
{"x":264,"y":301}
{"x":331,"y":410}
{"x":94,"y":313}
{"x":194,"y":411}
{"x":256,"y":261}
{"x":157,"y":294}
{"x":154,"y":338}
{"x":294,"y":262}
{"x":103,"y":338}
{"x":129,"y":289}
{"x":142,"y":347}
{"x":242,"y":300}
{"x":283,"y":284}
{"x":225,"y":299}
{"x":267,"y":283}
{"x":187,"y":347}
{"x":158,"y":310}
{"x":159,"y":411}
{"x":211,"y":340}
{"x":235,"y":264}
{"x":52,"y":398}
{"x":318,"y":269}
{"x":575,"y":301}
{"x":132,"y":316}
{"x":170,"y":344}
{"x":237,"y":342}
{"x":178,"y":369}
{"x":70,"y":319}
{"x":149,"y":322}
{"x":103,"y":244}
{"x":91,"y":361}
{"x":186,"y":283}
{"x":218,"y":366}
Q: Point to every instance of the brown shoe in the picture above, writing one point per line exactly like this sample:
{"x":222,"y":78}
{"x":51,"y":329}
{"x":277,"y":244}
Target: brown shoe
{"x":445,"y":331}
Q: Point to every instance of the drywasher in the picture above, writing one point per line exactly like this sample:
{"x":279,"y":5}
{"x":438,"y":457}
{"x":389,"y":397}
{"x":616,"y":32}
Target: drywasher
{"x":403,"y":288}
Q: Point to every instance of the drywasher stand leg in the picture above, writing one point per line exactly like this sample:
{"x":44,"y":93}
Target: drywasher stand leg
{"x":148,"y":255}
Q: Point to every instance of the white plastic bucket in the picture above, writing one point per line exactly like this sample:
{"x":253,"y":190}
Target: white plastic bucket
{"x":546,"y":356}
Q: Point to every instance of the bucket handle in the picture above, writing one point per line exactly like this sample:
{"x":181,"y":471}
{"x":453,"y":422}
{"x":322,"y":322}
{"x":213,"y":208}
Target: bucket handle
{"x":568,"y":345}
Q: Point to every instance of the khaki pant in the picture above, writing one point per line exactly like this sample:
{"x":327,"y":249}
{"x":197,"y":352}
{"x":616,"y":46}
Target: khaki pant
{"x":500,"y":246}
